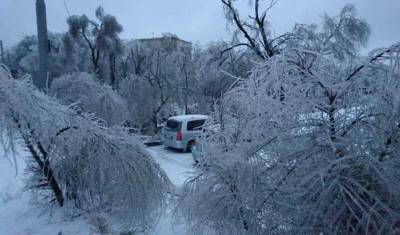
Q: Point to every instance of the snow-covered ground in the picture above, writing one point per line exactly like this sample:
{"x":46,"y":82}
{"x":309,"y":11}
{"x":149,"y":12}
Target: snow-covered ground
{"x":178,"y":166}
{"x":20,"y":216}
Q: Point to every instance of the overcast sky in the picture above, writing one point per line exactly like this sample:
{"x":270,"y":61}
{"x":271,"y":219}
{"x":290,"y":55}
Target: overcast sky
{"x":194,"y":20}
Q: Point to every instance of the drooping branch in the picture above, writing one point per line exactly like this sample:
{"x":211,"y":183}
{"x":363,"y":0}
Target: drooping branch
{"x":232,"y":47}
{"x":373,"y":59}
{"x":255,"y":32}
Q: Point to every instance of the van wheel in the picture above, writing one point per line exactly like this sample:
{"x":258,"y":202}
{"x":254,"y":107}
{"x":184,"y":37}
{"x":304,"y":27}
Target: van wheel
{"x":190,"y":145}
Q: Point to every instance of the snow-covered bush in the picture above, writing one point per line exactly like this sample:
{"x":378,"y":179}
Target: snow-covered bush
{"x":142,"y":101}
{"x":90,"y":95}
{"x":303,"y":151}
{"x":100,"y":169}
{"x":23,"y":57}
{"x":146,"y":111}
{"x":308,"y":144}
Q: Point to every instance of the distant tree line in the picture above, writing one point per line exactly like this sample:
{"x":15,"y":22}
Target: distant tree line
{"x":179,"y":82}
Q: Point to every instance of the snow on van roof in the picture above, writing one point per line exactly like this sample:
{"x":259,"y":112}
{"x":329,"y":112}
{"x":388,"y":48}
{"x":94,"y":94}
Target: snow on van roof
{"x":189,"y":117}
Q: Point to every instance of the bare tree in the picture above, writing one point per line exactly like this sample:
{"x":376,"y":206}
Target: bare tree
{"x":215,"y":72}
{"x":157,"y":74}
{"x":163,"y":71}
{"x":255,"y":29}
{"x":102,"y":39}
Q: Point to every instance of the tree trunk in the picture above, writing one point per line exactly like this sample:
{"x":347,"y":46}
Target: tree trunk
{"x":48,"y":173}
{"x":113,"y":76}
{"x":43,"y":163}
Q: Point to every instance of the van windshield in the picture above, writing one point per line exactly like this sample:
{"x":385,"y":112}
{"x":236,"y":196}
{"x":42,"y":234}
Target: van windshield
{"x":173,"y":125}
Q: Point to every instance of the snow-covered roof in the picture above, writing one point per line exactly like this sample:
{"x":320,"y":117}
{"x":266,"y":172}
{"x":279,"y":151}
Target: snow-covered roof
{"x":189,"y":117}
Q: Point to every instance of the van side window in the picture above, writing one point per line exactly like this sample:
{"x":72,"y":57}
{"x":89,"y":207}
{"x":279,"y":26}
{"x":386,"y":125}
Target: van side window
{"x":173,"y":125}
{"x":195,"y":125}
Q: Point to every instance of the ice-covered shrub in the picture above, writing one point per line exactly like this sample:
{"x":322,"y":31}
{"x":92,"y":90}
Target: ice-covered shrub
{"x":81,"y":160}
{"x":308,"y":144}
{"x":90,"y":95}
{"x":148,"y":105}
{"x":142,"y":101}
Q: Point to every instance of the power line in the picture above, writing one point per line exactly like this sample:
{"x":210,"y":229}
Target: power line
{"x":66,"y":7}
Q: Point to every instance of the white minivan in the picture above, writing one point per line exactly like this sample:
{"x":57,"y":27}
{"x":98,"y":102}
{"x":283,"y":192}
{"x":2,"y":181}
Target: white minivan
{"x":180,"y":132}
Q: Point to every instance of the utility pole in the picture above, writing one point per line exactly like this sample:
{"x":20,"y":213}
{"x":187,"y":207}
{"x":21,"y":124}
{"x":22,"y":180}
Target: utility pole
{"x":41,"y":80}
{"x":2,"y":60}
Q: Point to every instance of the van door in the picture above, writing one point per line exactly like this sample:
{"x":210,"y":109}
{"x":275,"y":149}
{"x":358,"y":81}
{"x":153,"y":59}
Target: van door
{"x":195,"y":128}
{"x":171,"y":129}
